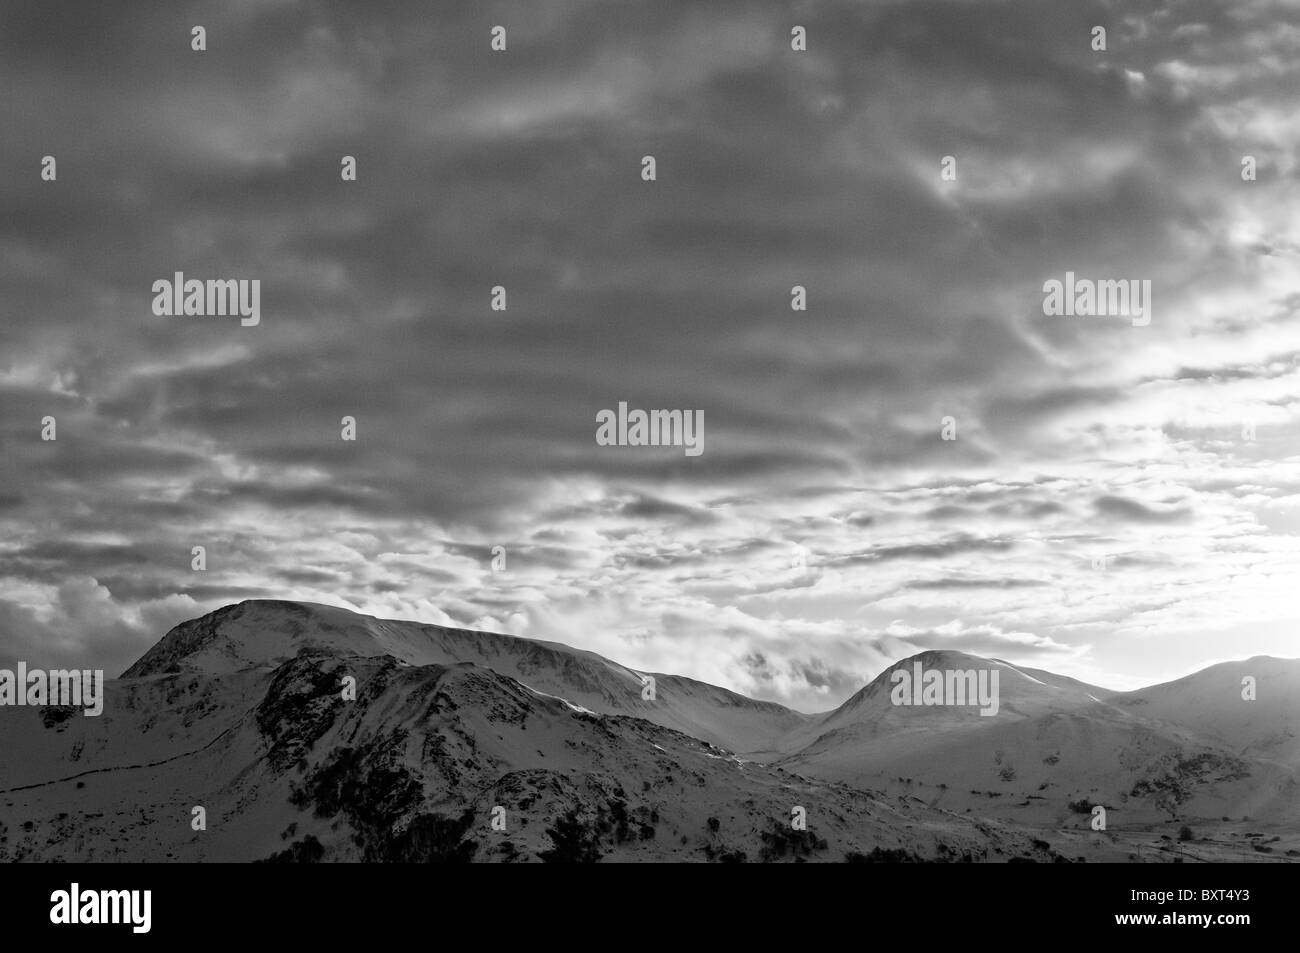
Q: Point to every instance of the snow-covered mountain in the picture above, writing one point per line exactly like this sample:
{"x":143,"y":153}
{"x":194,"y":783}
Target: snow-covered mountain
{"x":1210,"y":702}
{"x":472,"y":745}
{"x":417,"y":766}
{"x":266,"y":633}
{"x":1194,"y":747}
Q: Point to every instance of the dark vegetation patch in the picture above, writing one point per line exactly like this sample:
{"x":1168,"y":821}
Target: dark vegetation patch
{"x":780,"y":841}
{"x":381,"y":800}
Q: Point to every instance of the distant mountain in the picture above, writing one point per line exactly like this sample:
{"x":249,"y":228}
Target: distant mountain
{"x":1210,"y":703}
{"x":1020,"y":692}
{"x":1192,"y":747}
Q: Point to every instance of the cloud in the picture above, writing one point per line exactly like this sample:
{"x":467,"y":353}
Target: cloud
{"x":826,"y":506}
{"x":81,"y":625}
{"x":1120,"y":508}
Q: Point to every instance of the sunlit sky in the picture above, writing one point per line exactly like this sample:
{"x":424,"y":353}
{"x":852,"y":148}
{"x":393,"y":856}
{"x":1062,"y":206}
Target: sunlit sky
{"x":827,"y":529}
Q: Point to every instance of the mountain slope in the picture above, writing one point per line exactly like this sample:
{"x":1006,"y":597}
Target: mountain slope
{"x":1020,"y":692}
{"x":244,"y":714}
{"x":261,"y":633}
{"x":1210,"y":703}
{"x":416,"y":768}
{"x":1185,"y":749}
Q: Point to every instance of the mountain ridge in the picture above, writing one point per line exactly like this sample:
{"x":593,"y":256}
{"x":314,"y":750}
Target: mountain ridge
{"x":310,"y":732}
{"x":260,"y":632}
{"x":157,"y":657}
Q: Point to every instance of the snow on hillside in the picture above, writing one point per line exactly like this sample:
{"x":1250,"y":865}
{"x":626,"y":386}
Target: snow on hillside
{"x":242,"y":713}
{"x":416,"y":768}
{"x":263,"y":633}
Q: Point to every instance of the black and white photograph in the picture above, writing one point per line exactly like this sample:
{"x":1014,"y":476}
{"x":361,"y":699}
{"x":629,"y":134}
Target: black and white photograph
{"x":651,"y":432}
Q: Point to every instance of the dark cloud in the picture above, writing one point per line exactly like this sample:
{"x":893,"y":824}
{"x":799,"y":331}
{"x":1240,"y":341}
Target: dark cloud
{"x":1125,"y":509}
{"x":648,"y":507}
{"x":956,"y":545}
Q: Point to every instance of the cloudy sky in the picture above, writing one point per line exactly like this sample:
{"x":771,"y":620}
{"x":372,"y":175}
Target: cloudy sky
{"x":827,"y":528}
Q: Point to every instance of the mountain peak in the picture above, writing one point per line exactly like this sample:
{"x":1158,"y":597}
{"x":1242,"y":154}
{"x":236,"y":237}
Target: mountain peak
{"x":253,"y":633}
